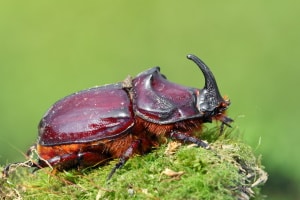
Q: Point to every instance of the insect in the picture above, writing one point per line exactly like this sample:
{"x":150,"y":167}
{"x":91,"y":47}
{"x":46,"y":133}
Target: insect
{"x":119,"y":120}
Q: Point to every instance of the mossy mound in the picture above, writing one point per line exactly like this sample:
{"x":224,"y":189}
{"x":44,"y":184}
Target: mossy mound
{"x":229,"y":170}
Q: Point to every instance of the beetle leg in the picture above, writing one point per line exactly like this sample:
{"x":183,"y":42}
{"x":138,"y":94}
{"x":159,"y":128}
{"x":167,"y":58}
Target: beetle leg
{"x":87,"y":159}
{"x":80,"y":160}
{"x":8,"y":168}
{"x":225,"y":121}
{"x":28,"y":163}
{"x":61,"y":162}
{"x":128,"y":153}
{"x":190,"y":139}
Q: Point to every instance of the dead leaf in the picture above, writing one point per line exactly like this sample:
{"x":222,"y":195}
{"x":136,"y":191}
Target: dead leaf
{"x":171,"y":173}
{"x":172,"y":147}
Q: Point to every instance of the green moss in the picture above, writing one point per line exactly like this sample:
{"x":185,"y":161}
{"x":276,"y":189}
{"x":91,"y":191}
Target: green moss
{"x":228,"y":171}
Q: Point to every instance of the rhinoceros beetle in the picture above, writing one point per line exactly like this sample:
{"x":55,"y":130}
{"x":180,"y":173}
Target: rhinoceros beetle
{"x":119,"y":120}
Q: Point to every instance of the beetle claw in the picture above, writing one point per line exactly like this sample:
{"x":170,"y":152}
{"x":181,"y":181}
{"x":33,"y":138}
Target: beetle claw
{"x":117,"y":166}
{"x":225,"y":121}
{"x":9,"y":168}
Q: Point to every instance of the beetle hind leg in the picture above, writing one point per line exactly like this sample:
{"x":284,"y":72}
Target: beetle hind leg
{"x":74,"y":160}
{"x":11,"y":167}
{"x":28,"y":163}
{"x":91,"y":159}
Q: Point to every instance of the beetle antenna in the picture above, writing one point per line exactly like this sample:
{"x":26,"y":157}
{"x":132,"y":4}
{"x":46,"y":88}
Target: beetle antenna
{"x":210,"y":81}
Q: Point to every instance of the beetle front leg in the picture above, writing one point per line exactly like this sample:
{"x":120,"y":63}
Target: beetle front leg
{"x":126,"y":155}
{"x":187,"y":138}
{"x":225,"y":121}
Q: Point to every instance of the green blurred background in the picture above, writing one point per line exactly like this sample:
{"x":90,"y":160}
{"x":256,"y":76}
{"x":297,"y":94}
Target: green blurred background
{"x":49,"y":49}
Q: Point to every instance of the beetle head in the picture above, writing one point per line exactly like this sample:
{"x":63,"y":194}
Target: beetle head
{"x":210,"y":102}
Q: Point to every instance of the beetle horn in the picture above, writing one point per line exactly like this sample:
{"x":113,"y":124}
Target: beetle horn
{"x":210,"y":82}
